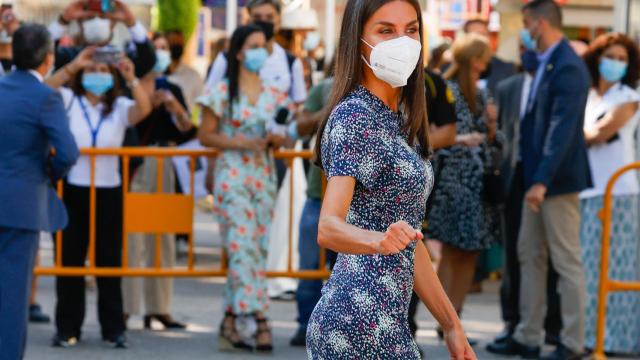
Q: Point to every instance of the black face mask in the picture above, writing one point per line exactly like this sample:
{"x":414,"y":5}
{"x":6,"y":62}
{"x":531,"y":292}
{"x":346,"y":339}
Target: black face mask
{"x":176,"y":51}
{"x":266,"y":27}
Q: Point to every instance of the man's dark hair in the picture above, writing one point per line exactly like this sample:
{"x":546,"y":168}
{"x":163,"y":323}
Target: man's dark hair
{"x":31,"y":44}
{"x":546,"y":9}
{"x":475,"y":21}
{"x":252,"y":4}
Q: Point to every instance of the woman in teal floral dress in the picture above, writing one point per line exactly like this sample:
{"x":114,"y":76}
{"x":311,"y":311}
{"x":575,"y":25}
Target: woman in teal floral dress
{"x":245,"y":181}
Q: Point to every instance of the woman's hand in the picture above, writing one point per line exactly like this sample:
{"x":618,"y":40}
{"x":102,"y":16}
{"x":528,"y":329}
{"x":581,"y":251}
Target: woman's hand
{"x":253,"y":144}
{"x":83,"y":59}
{"x":276,"y":141}
{"x":122,"y":13}
{"x":172,"y":104}
{"x":458,"y":345}
{"x":397,"y":237}
{"x":127,"y":69}
{"x":473,"y":139}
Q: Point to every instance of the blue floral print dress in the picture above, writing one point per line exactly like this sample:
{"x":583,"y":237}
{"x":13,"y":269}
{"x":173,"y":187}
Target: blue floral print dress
{"x":363,"y":310}
{"x":245,"y":192}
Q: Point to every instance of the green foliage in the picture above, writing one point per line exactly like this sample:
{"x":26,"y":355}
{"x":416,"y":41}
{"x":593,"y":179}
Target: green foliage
{"x":178,"y":14}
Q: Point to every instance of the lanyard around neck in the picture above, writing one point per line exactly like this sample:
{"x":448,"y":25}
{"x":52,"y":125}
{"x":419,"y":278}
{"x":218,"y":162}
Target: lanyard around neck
{"x":96,"y":130}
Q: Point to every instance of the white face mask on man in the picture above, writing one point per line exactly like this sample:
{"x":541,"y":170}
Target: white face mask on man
{"x":393,"y":61}
{"x":96,"y":30}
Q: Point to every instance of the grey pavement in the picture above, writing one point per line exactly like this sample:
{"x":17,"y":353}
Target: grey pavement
{"x":198,"y":302}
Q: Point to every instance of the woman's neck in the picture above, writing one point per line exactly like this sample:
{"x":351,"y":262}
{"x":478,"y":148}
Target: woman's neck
{"x":248,"y":78}
{"x":93,"y":98}
{"x":604,"y":86}
{"x":389,"y":95}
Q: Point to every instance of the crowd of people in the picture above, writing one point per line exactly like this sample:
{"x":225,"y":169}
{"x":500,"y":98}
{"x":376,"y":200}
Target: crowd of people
{"x":519,"y":156}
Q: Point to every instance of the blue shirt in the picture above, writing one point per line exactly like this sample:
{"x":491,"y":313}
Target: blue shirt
{"x":543,"y":59}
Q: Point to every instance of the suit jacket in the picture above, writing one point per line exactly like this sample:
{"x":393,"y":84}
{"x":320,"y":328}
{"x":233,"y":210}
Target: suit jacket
{"x":553,"y":148}
{"x":509,"y":99}
{"x":32,"y":121}
{"x":499,"y":70}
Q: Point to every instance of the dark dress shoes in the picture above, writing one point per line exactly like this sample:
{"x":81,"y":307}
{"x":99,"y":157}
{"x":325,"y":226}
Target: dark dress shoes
{"x":300,"y":338}
{"x":562,"y":353}
{"x":504,"y":335}
{"x":36,"y":315}
{"x":510,"y":347}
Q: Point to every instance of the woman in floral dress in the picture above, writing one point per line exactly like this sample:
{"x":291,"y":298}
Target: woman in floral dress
{"x":245,"y":181}
{"x":375,"y":157}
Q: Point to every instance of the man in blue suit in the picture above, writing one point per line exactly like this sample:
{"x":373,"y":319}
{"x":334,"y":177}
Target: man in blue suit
{"x":555,"y":170}
{"x":36,"y":149}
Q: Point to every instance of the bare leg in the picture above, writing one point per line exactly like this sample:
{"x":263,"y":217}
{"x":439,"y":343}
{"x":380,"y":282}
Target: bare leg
{"x":456,"y":271}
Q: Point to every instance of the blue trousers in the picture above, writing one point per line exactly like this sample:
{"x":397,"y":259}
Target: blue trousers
{"x":17,"y":256}
{"x":309,"y":291}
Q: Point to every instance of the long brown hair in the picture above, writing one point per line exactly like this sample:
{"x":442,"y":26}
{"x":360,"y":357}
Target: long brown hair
{"x":349,"y":72}
{"x":109,"y":98}
{"x":465,"y":49}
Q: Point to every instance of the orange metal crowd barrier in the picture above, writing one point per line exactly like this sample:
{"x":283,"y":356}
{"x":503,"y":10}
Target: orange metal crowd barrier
{"x":160,"y":213}
{"x":607,"y":285}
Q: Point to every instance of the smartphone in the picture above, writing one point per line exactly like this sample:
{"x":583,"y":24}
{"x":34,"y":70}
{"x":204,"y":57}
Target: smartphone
{"x":7,"y":13}
{"x":102,"y":6}
{"x":162,"y":83}
{"x":107,"y":55}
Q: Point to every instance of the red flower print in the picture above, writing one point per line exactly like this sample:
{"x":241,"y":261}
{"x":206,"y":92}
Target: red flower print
{"x":246,"y":114}
{"x":242,"y":230}
{"x":234,"y":274}
{"x":225,"y":187}
{"x":236,"y":123}
{"x":243,"y":305}
{"x":282,"y":97}
{"x":233,"y":172}
{"x":267,"y":170}
{"x":250,"y":214}
{"x":259,"y":185}
{"x":220,"y":199}
{"x":223,"y":87}
{"x":246,"y":160}
{"x":248,"y":180}
{"x":260,"y":293}
{"x":269,"y":107}
{"x":234,"y":247}
{"x":248,"y":290}
{"x":262,"y":230}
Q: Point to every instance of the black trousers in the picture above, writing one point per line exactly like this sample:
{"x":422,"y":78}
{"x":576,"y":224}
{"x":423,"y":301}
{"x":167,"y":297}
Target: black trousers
{"x":510,"y":288}
{"x":70,"y":308}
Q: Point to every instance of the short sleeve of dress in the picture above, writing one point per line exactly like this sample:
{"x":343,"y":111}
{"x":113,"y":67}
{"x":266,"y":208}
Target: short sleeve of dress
{"x":353,"y":145}
{"x":121,"y":109}
{"x":216,"y":99}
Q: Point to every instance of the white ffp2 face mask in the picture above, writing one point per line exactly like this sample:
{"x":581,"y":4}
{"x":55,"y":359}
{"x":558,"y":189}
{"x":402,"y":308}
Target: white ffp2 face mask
{"x":393,"y":61}
{"x":96,"y":30}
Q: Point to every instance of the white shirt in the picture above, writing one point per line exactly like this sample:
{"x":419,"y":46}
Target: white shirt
{"x":275,"y":72}
{"x":110,"y":133}
{"x":190,"y":83}
{"x":526,"y":89}
{"x":36,"y":74}
{"x":605,"y":159}
{"x":138,"y":32}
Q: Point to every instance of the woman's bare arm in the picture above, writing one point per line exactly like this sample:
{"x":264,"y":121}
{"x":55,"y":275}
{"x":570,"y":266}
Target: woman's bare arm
{"x":336,"y":234}
{"x":608,"y":126}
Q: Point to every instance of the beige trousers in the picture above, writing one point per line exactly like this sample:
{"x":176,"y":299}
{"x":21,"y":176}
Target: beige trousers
{"x":158,"y":292}
{"x":553,"y":232}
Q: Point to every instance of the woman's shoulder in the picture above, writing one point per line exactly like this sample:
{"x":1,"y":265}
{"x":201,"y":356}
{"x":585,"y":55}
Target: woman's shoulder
{"x":353,"y":110}
{"x":625,"y":94}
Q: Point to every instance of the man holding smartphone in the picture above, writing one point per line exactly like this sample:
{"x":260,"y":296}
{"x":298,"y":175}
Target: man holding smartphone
{"x":97,"y":20}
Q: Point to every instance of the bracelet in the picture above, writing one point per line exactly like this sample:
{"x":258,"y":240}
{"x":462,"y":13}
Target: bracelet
{"x":133,"y":83}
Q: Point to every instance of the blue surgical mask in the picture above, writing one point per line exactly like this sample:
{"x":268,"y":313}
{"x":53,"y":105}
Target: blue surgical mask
{"x":529,"y":60}
{"x":312,"y":41}
{"x":163,"y":60}
{"x":612,"y":70}
{"x":254,"y":59}
{"x":527,"y":40}
{"x":97,"y":83}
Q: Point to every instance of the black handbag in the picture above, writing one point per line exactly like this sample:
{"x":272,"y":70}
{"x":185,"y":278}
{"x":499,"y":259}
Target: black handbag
{"x":493,"y":181}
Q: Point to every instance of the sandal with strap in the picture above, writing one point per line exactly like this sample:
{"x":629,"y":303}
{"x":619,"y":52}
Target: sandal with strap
{"x":264,"y":340}
{"x":229,"y":338}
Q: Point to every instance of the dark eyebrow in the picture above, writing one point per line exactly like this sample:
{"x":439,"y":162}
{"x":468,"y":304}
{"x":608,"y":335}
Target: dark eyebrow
{"x":386,"y":23}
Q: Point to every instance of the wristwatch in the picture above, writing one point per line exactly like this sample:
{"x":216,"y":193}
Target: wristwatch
{"x":133,"y":83}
